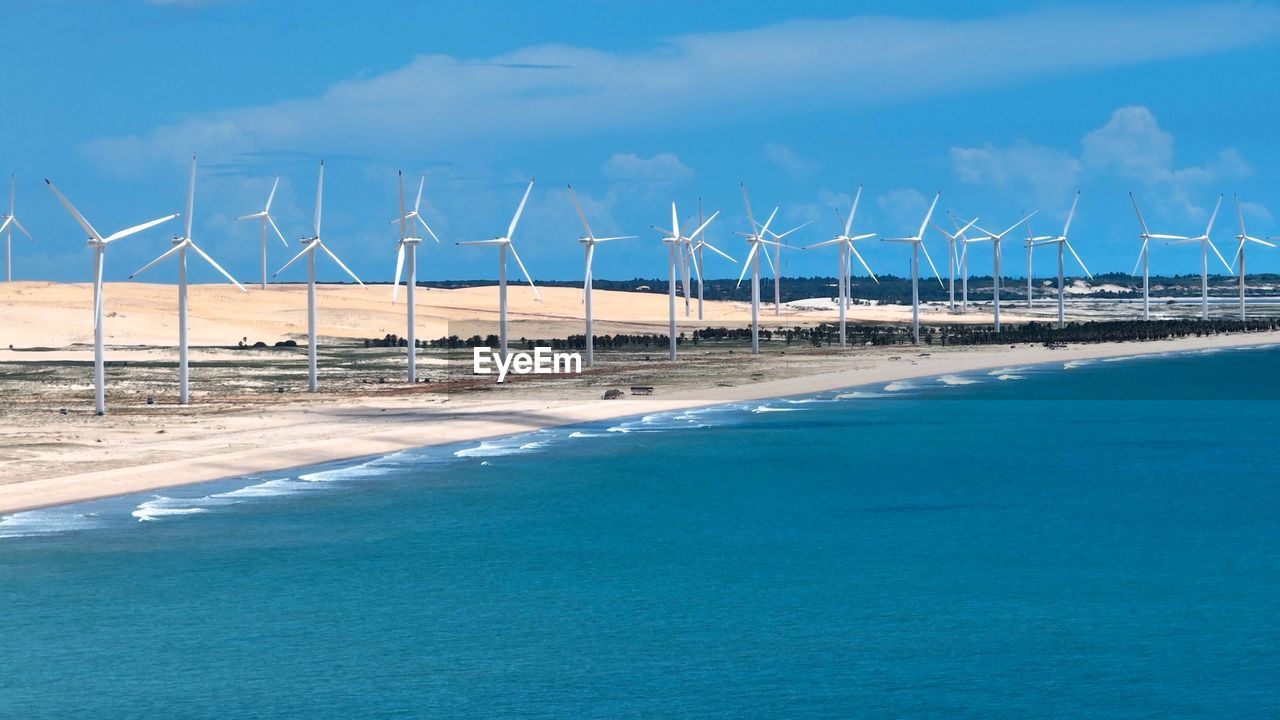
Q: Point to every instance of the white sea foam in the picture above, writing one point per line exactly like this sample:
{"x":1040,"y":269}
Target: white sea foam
{"x":1008,"y":371}
{"x":859,"y":395}
{"x":270,"y":488}
{"x":162,"y":506}
{"x":1072,"y":364}
{"x":1011,"y":376}
{"x":956,"y":380}
{"x":46,"y":522}
{"x":498,"y":448}
{"x":806,"y":401}
{"x":898,"y":386}
{"x":770,"y":409}
{"x":582,"y":434}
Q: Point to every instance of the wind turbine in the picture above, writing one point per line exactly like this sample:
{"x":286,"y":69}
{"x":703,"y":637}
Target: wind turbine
{"x":589,"y":243}
{"x":180,"y":247}
{"x":504,"y":244}
{"x":415,"y":215}
{"x":756,"y":239}
{"x":408,"y":245}
{"x":776,"y":265}
{"x":263,"y":217}
{"x":1061,"y":241}
{"x":699,"y":243}
{"x":1243,"y":238}
{"x":995,"y":239}
{"x":1205,"y":245}
{"x":1144,"y":257}
{"x":953,"y":261}
{"x":1030,"y":243}
{"x":844,"y":242}
{"x":677,"y":243}
{"x":917,"y":244}
{"x":99,"y":245}
{"x":8,"y":223}
{"x":309,"y":247}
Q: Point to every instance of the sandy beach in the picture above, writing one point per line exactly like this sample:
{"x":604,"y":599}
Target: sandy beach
{"x":52,"y":458}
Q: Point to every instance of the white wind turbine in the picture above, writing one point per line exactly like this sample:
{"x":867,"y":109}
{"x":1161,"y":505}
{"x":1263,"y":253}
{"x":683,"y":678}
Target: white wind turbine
{"x":677,"y":243}
{"x":504,"y":244}
{"x":917,"y":244}
{"x":1030,"y":243}
{"x":1205,"y":245}
{"x":844,"y":241}
{"x":995,"y":239}
{"x":1242,"y":238}
{"x":7,"y":224}
{"x":695,"y":254}
{"x":776,"y":265}
{"x":953,"y":261}
{"x":99,"y":245}
{"x":589,"y":243}
{"x":1144,"y":257}
{"x":263,"y":217}
{"x":408,"y":246}
{"x":756,"y":238}
{"x":180,"y":247}
{"x":310,"y":245}
{"x":1062,"y":242}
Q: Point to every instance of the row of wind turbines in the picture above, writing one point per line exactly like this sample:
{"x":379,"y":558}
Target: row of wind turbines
{"x":685,"y":252}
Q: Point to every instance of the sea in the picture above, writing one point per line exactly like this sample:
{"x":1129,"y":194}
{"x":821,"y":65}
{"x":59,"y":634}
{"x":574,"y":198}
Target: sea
{"x":1089,"y":539}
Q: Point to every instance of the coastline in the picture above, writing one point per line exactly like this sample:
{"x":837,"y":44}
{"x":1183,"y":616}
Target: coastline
{"x":334,"y":429}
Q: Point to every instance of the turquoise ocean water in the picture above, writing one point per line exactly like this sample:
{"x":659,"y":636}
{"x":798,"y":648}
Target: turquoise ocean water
{"x":1100,"y":540}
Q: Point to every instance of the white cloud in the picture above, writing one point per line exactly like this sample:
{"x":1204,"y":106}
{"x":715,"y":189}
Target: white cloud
{"x":663,"y":167}
{"x":436,"y":101}
{"x":1046,"y":172}
{"x":1131,"y":145}
{"x":785,"y":157}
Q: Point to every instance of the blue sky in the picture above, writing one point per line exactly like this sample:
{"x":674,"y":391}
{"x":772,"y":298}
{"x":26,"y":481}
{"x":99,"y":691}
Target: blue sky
{"x":1002,"y":106}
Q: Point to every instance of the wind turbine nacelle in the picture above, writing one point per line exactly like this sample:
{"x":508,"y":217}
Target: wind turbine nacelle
{"x":412,"y":240}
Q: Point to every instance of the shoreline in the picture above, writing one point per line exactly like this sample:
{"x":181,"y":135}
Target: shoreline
{"x":338,"y":429}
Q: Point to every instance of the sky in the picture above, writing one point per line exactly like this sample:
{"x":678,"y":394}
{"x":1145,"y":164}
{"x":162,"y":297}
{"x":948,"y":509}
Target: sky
{"x":1002,"y":107}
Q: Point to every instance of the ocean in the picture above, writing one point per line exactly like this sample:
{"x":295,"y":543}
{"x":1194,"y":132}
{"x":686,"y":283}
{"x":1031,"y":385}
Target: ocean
{"x":1079,"y":540}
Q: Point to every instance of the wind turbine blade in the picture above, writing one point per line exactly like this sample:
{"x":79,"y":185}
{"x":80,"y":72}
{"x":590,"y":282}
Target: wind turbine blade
{"x":515,"y":219}
{"x":1140,"y":255}
{"x":928,"y":215}
{"x":931,"y":265}
{"x":675,"y":222}
{"x":1215,"y":252}
{"x":865,"y":266}
{"x":591,"y":253}
{"x":1077,"y":257}
{"x":798,"y":227}
{"x":615,"y":237}
{"x":271,"y":195}
{"x":395,"y":287}
{"x":334,"y":258}
{"x":848,"y":224}
{"x":1024,"y":219}
{"x":944,"y":232}
{"x":18,"y":224}
{"x":769,"y":261}
{"x":719,"y":252}
{"x":403,"y":233}
{"x":1239,"y":249}
{"x":163,"y":256}
{"x":1209,"y":229}
{"x":422,"y":183}
{"x":1250,"y":238}
{"x":824,"y":243}
{"x":750,"y":218}
{"x":704,"y":225}
{"x":427,"y":227}
{"x":255,"y":216}
{"x":697,"y":269}
{"x":5,"y":224}
{"x":764,"y":230}
{"x":494,"y":241}
{"x":191,"y":200}
{"x":315,"y":224}
{"x":863,"y":236}
{"x":1071,"y":215}
{"x":1240,"y":215}
{"x":277,"y":229}
{"x":1138,"y":212}
{"x":306,"y":249}
{"x":215,"y":265}
{"x":746,"y":264}
{"x":136,"y":229}
{"x":72,"y":209}
{"x":516,"y":255}
{"x":581,"y":215}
